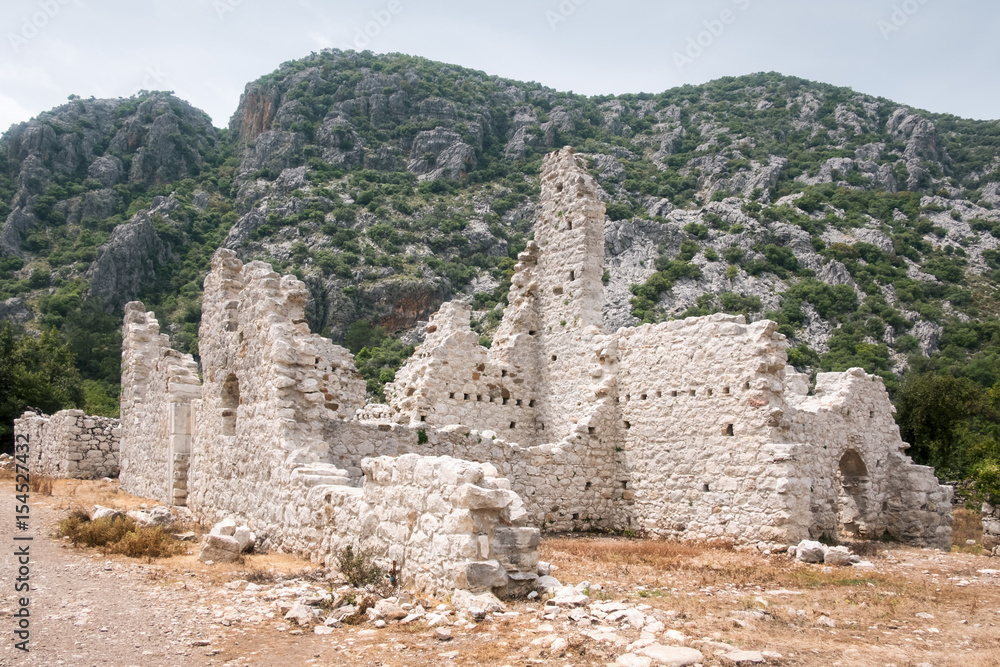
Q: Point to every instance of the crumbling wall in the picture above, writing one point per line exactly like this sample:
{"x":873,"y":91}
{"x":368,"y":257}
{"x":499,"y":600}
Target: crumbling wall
{"x":270,"y":389}
{"x":852,"y":467}
{"x":70,"y":444}
{"x":158,"y":387}
{"x":445,"y":524}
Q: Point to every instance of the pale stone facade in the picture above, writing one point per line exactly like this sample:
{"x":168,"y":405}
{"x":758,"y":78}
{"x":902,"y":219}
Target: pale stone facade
{"x":689,"y":429}
{"x":70,"y":444}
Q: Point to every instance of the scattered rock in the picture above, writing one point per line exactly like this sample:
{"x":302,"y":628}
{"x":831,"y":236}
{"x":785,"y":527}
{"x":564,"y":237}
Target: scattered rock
{"x":744,"y":657}
{"x":808,"y":551}
{"x":672,"y":656}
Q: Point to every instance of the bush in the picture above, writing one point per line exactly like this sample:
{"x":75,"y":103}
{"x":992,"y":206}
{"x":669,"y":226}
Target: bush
{"x":119,"y":535}
{"x":360,"y":569}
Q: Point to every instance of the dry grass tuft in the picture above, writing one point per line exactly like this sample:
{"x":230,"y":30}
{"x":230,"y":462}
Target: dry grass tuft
{"x":119,"y":535}
{"x":41,"y":485}
{"x":968,"y":526}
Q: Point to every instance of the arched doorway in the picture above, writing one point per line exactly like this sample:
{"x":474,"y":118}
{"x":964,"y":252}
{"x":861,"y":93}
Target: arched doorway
{"x":854,"y":486}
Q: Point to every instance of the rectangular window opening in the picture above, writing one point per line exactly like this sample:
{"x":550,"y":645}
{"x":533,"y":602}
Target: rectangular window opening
{"x":728,"y":431}
{"x":513,"y":424}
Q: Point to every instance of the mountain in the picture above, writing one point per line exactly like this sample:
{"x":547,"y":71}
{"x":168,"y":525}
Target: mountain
{"x":389,"y":183}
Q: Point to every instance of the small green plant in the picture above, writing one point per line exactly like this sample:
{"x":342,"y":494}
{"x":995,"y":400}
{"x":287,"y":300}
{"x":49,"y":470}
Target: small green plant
{"x":422,"y":437}
{"x":359,"y":568}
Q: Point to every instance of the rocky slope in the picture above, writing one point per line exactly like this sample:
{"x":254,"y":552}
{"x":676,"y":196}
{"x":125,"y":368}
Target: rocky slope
{"x":392,"y":183}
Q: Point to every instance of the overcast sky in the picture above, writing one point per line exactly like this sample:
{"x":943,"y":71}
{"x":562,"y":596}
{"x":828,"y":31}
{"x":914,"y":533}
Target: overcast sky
{"x":940,"y":55}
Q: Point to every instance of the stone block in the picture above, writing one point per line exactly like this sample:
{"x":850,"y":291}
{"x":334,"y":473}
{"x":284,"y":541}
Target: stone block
{"x":219,"y":549}
{"x":485,"y":575}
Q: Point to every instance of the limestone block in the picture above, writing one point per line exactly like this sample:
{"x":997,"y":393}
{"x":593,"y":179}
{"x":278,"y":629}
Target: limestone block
{"x":475,"y":497}
{"x":809,"y":551}
{"x":485,"y":575}
{"x":219,"y":549}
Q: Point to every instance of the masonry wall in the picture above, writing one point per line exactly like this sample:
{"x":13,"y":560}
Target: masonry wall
{"x":158,"y":387}
{"x":699,"y":400}
{"x":70,"y":444}
{"x":275,"y":405}
{"x":851,"y":457}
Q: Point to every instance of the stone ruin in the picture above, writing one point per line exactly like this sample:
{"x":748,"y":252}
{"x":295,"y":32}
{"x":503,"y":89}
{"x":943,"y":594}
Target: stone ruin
{"x":691,"y":429}
{"x":70,"y":444}
{"x":991,"y":527}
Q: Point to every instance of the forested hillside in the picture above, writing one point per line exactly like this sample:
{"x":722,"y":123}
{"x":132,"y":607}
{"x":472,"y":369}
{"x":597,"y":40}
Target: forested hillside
{"x":389,"y":184}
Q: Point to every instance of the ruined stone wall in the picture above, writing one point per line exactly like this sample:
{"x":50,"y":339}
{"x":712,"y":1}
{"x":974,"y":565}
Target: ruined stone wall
{"x":158,"y":387}
{"x":270,"y":388}
{"x":568,"y":485}
{"x":451,"y":380}
{"x":722,"y":441}
{"x":699,"y":400}
{"x":70,"y":444}
{"x":445,"y":523}
{"x":850,"y":464}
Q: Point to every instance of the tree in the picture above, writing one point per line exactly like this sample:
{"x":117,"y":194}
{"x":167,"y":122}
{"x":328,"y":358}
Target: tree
{"x":36,"y":372}
{"x":930,"y":409}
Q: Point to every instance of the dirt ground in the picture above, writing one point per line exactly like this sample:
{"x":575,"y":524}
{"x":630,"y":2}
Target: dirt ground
{"x":904,"y":607}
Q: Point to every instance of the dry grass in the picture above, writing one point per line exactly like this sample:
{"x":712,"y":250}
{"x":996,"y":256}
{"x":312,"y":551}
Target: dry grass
{"x":41,"y":485}
{"x":705,"y":588}
{"x":968,"y":526}
{"x":118,"y":535}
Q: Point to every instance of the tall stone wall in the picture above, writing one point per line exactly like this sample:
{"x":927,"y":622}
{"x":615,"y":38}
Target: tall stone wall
{"x":699,"y":400}
{"x":158,"y":387}
{"x":70,"y":444}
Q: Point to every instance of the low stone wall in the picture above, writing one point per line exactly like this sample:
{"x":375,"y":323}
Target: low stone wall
{"x":445,"y":524}
{"x":991,"y":528}
{"x":70,"y":444}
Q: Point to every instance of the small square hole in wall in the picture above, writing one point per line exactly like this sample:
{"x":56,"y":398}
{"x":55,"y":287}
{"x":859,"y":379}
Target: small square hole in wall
{"x":576,"y":517}
{"x":503,"y":373}
{"x":644,"y":397}
{"x":673,"y":394}
{"x":479,"y":398}
{"x":692,"y":393}
{"x":423,"y":418}
{"x":504,"y":401}
{"x":532,"y":333}
{"x":659,"y":394}
{"x":588,"y":485}
{"x":555,"y":358}
{"x":710,"y":392}
{"x":572,"y":275}
{"x":728,"y":430}
{"x":725,"y":390}
{"x":451,"y":394}
{"x":569,"y":226}
{"x":628,"y":425}
{"x":746,"y":387}
{"x":557,"y":290}
{"x":624,"y":483}
{"x":465,"y":397}
{"x":513,"y":424}
{"x":518,"y":402}
{"x":705,"y":488}
{"x":871,"y":414}
{"x":591,"y":430}
{"x":531,"y":403}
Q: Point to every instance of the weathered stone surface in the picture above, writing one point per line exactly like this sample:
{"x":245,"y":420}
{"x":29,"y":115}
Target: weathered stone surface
{"x":70,"y":444}
{"x":837,"y":556}
{"x":485,"y":575}
{"x":488,"y":603}
{"x":672,"y":656}
{"x":809,"y":551}
{"x":219,"y":549}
